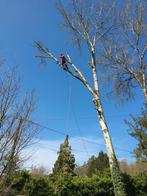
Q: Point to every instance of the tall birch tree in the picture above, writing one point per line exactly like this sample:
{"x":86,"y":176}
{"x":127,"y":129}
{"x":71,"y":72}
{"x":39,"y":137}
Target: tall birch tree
{"x":90,"y":23}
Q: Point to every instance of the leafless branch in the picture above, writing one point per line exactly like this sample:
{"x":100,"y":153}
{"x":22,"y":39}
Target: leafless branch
{"x":126,"y":55}
{"x":16,"y":133}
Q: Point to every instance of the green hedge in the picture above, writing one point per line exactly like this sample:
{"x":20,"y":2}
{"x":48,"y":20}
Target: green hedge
{"x":100,"y":184}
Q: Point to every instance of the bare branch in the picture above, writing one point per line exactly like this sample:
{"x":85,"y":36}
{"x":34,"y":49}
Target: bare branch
{"x":125,"y":54}
{"x":76,"y":74}
{"x":15,"y":132}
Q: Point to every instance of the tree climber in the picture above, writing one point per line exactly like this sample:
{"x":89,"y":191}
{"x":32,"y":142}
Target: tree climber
{"x":63,"y":63}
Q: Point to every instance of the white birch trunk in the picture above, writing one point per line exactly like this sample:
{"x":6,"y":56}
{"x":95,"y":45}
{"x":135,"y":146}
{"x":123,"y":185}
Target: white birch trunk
{"x":114,"y":167}
{"x":144,"y":88}
{"x":141,"y":79}
{"x":105,"y":131}
{"x":145,"y":95}
{"x":100,"y":113}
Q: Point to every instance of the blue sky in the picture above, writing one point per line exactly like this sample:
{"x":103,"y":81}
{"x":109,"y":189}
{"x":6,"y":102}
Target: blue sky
{"x":22,"y":23}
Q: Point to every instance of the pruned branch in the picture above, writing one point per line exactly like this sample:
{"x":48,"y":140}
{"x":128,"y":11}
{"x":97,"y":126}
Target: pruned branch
{"x":76,"y":73}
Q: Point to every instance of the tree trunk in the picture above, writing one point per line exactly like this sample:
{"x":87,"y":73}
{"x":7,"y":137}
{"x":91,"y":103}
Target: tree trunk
{"x":114,"y":167}
{"x":144,"y":88}
{"x":118,"y":184}
{"x":141,"y":79}
{"x":145,"y":95}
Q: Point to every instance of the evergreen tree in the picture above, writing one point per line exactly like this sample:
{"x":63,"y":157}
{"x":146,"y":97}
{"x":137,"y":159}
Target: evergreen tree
{"x":65,"y":163}
{"x":99,"y":163}
{"x":94,"y":165}
{"x":138,"y":129}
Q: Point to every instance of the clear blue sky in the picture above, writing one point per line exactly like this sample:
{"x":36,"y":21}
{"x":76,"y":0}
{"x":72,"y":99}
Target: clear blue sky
{"x":21,"y":23}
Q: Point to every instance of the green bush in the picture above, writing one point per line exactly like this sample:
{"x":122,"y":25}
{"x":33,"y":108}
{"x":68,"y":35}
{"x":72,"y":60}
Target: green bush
{"x":129,"y":184}
{"x":92,"y":186}
{"x":98,"y":185}
{"x":136,"y":185}
{"x":140,"y":184}
{"x":38,"y":187}
{"x":19,"y":180}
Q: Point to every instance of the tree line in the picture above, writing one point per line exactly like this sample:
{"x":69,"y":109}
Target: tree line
{"x":93,"y":178}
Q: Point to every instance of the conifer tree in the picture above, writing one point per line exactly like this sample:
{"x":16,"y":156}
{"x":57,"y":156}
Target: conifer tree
{"x":65,"y":163}
{"x":99,"y":163}
{"x":138,"y":130}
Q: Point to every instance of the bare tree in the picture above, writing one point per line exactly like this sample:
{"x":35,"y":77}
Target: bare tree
{"x":16,"y":130}
{"x":126,"y":53}
{"x":90,"y":23}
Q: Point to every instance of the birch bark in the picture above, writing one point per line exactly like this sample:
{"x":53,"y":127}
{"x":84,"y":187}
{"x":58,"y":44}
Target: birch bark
{"x":114,"y":167}
{"x":144,"y":88}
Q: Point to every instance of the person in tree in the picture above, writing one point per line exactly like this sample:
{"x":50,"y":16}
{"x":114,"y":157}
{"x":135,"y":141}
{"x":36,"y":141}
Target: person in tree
{"x":63,"y":62}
